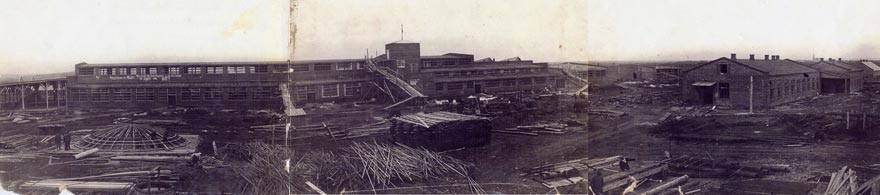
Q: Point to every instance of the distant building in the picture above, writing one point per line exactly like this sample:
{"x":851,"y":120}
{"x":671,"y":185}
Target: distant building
{"x":839,"y":77}
{"x":872,"y":70}
{"x":593,"y":74}
{"x":667,"y":74}
{"x":743,"y":82}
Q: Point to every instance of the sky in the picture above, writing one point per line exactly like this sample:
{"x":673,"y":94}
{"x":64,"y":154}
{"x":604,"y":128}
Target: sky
{"x":709,"y":29}
{"x":51,"y":36}
{"x":553,"y":30}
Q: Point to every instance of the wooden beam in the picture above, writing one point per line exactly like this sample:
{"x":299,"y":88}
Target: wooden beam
{"x":641,"y":175}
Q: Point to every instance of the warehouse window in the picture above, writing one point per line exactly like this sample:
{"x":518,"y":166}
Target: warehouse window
{"x":508,"y":82}
{"x":723,"y":68}
{"x":343,"y":66}
{"x":102,"y":71}
{"x":174,"y":70}
{"x":525,"y":81}
{"x":323,"y":67}
{"x":263,"y":92}
{"x":455,"y":86}
{"x":215,"y":70}
{"x":86,"y":71}
{"x":540,"y":80}
{"x":438,"y":86}
{"x":301,"y":68}
{"x":360,"y":65}
{"x":401,"y":64}
{"x":237,"y":93}
{"x":260,"y":69}
{"x":493,"y":83}
{"x":101,"y":94}
{"x":122,"y":94}
{"x":235,"y":69}
{"x":144,"y":94}
{"x":331,"y":90}
{"x":153,"y":71}
{"x":213,"y":93}
{"x":194,"y":70}
{"x":724,"y":90}
{"x":303,"y":91}
{"x":352,"y":89}
{"x":190,"y":94}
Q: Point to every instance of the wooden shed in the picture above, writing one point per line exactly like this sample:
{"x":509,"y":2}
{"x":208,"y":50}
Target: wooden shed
{"x":441,"y":130}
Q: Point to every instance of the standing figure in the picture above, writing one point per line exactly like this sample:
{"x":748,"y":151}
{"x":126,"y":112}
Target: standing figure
{"x":597,"y":182}
{"x":58,"y":140}
{"x":66,"y":140}
{"x":624,"y":166}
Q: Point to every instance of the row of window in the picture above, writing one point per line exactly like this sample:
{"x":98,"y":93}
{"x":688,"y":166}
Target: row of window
{"x":440,"y":86}
{"x":437,"y":63}
{"x":162,"y":94}
{"x":794,"y":87}
{"x":328,"y":66}
{"x":590,"y":73}
{"x":175,"y":70}
{"x":328,"y":90}
{"x":465,"y":73}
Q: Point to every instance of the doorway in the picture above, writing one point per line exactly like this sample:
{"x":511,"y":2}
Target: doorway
{"x":478,"y":89}
{"x":706,"y":94}
{"x":172,"y":100}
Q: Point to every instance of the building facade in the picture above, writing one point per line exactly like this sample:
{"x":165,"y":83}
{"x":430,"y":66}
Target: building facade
{"x":743,"y":83}
{"x":839,"y":77}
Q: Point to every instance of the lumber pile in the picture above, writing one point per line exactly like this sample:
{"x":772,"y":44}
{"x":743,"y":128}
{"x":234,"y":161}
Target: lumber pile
{"x":79,"y":185}
{"x":364,"y":130}
{"x":608,"y":113}
{"x":555,"y":128}
{"x":843,"y":182}
{"x":568,"y":172}
{"x":673,"y":183}
{"x":361,"y":166}
{"x":701,"y":167}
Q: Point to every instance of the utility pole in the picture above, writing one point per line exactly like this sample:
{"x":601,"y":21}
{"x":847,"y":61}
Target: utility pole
{"x":751,"y":93}
{"x":22,"y":92}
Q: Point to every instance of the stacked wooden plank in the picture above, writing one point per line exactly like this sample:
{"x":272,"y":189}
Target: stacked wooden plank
{"x":568,"y":172}
{"x":843,"y":182}
{"x":541,"y":128}
{"x":428,"y":120}
{"x":701,"y":167}
{"x":77,"y":185}
{"x":609,"y":113}
{"x":441,"y":130}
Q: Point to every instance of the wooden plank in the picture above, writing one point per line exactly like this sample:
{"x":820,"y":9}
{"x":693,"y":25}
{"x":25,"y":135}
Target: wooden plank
{"x":666,"y":185}
{"x":621,"y":182}
{"x":514,"y":132}
{"x":85,"y":153}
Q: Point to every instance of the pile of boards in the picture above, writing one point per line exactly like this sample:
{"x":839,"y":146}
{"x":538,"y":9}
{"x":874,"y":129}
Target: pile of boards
{"x":708,"y":168}
{"x":574,"y":171}
{"x":845,"y":182}
{"x":542,"y":128}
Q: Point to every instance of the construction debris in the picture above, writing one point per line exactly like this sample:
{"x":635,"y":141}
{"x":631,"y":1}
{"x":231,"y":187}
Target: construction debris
{"x":441,"y":130}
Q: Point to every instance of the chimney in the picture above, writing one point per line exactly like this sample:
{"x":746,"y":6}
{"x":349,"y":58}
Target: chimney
{"x":830,"y":59}
{"x":751,"y":56}
{"x":766,"y":57}
{"x":733,"y":56}
{"x":839,"y":59}
{"x":821,"y":59}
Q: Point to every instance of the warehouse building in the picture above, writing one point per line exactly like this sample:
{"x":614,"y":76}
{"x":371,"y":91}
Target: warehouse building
{"x":749,"y":82}
{"x":839,"y":77}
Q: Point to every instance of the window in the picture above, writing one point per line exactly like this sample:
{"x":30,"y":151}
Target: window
{"x":331,"y":90}
{"x":493,"y":83}
{"x":260,"y":69}
{"x":301,"y":68}
{"x":213,"y":93}
{"x":303,"y":91}
{"x":401,"y":64}
{"x":491,"y":72}
{"x":153,"y":71}
{"x":165,"y":92}
{"x":102,"y":71}
{"x":237,"y":93}
{"x":534,"y":70}
{"x":724,"y":90}
{"x":263,"y":93}
{"x":455,"y":86}
{"x":525,"y":81}
{"x":508,"y":82}
{"x":469,"y":84}
{"x":323,"y":67}
{"x":193,"y":70}
{"x":806,"y":75}
{"x":86,"y":71}
{"x":190,"y":94}
{"x":360,"y":65}
{"x":723,"y":68}
{"x":235,"y":69}
{"x":122,"y":94}
{"x":144,"y":94}
{"x":438,"y":86}
{"x":540,"y":80}
{"x":101,"y":94}
{"x":352,"y":89}
{"x":343,"y":66}
{"x":174,"y":70}
{"x":215,"y":70}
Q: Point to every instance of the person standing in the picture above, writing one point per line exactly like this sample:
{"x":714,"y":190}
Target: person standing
{"x":624,"y":166}
{"x":58,"y":140}
{"x":67,"y":140}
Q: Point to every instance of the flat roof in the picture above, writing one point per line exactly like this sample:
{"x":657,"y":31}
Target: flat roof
{"x":86,"y":65}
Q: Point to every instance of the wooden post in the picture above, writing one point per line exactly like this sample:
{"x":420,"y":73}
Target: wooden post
{"x":847,"y":120}
{"x":46,"y":88}
{"x":22,"y":96}
{"x":751,"y":89}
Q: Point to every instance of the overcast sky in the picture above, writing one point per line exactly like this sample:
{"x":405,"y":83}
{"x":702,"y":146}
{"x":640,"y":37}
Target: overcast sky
{"x":707,"y":29}
{"x":51,"y":36}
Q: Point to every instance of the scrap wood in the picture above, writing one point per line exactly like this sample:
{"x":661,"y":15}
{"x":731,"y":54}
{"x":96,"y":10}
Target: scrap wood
{"x":85,"y":153}
{"x":129,"y":173}
{"x":76,"y":185}
{"x":666,"y":185}
{"x":640,"y":175}
{"x":583,"y":163}
{"x":870,"y":184}
{"x":842,"y":182}
{"x":514,"y":132}
{"x":150,"y":158}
